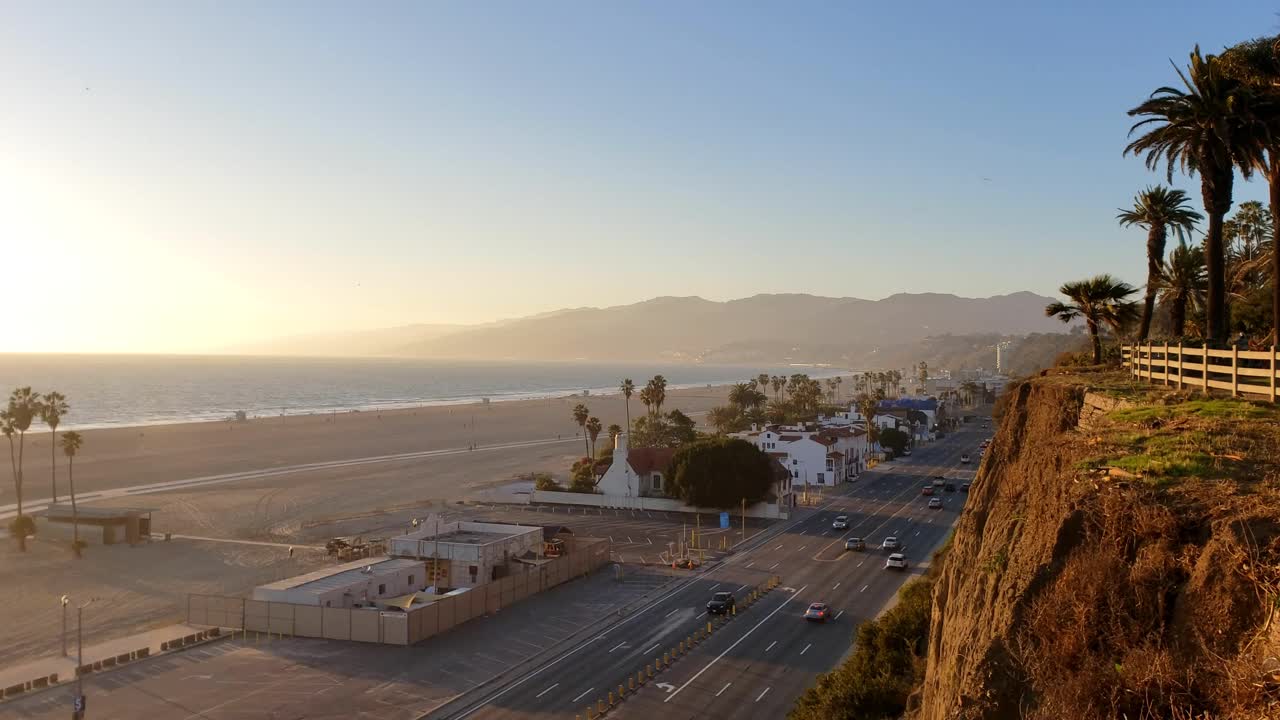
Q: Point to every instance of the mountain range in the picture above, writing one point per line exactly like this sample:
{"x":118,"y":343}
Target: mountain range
{"x":759,"y":329}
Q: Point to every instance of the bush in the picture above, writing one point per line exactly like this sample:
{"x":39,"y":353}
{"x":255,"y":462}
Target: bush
{"x":544,"y":481}
{"x":22,"y":526}
{"x":720,"y":472}
{"x":895,"y":440}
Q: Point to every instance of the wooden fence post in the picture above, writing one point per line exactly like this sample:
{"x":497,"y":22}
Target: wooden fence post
{"x":1204,"y":374}
{"x":1235,"y":371}
{"x":1179,"y":364}
{"x":1273,"y":373}
{"x":1166,"y":363}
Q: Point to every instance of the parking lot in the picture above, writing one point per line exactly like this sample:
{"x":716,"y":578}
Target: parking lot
{"x":300,"y":678}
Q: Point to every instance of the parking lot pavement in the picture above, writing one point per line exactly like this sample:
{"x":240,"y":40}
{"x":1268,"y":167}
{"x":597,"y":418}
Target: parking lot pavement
{"x":307,"y":678}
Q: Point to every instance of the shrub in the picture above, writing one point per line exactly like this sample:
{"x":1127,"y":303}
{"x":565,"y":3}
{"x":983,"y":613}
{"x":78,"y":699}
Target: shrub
{"x":22,"y":526}
{"x":720,"y":472}
{"x":544,"y":481}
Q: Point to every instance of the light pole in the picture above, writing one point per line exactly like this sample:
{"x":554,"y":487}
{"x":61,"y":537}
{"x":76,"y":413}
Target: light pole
{"x":65,"y":599}
{"x":79,"y":703}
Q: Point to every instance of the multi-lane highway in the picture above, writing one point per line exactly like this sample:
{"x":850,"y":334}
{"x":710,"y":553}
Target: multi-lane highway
{"x":767,"y":655}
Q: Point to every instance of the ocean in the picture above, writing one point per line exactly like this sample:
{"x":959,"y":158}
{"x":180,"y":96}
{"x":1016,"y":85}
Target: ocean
{"x":125,"y":390}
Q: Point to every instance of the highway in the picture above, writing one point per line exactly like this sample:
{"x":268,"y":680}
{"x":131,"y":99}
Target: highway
{"x":767,"y":655}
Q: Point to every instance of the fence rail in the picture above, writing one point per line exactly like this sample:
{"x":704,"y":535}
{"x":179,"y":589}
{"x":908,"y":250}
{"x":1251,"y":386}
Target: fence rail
{"x":1249,"y":373}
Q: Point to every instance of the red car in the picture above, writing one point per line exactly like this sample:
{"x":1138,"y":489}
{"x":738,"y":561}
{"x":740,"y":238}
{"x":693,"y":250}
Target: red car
{"x":818,"y":612}
{"x":926,"y":490}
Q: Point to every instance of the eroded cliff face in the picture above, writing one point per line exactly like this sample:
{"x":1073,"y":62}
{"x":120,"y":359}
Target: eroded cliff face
{"x":1072,"y":593}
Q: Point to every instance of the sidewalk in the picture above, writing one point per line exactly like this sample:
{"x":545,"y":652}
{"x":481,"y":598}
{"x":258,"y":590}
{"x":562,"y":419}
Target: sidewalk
{"x":107,"y":653}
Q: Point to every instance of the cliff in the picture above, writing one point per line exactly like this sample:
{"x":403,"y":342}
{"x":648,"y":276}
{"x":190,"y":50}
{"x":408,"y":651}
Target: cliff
{"x":1118,"y":557}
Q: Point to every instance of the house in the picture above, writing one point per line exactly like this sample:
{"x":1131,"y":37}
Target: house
{"x":639,"y":472}
{"x":826,"y":453}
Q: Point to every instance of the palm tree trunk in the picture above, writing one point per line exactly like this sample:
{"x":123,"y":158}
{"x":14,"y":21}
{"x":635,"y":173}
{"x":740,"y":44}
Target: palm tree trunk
{"x":75,"y":516}
{"x":586,"y":441}
{"x":1273,"y":180}
{"x":1215,"y":188}
{"x":53,"y":461}
{"x":1155,"y":254}
{"x":1097,"y":342}
{"x":1178,"y":315}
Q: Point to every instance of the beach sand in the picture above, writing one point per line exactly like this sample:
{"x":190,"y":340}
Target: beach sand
{"x":146,"y":586}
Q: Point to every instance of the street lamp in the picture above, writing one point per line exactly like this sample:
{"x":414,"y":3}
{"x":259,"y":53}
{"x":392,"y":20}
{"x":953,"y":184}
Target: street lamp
{"x":78,"y":702}
{"x":64,"y":600}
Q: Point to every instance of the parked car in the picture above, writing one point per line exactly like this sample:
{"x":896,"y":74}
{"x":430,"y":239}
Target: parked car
{"x":840,"y":523}
{"x":964,"y":459}
{"x":720,"y":604}
{"x":817,"y":612}
{"x":935,"y":503}
{"x":938,"y":480}
{"x":855,"y":543}
{"x":926,"y":490}
{"x":896,"y":561}
{"x":949,"y":487}
{"x":906,"y":452}
{"x":890,"y":543}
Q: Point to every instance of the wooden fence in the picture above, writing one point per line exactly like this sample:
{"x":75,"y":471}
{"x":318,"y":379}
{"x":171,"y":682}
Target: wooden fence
{"x":1250,"y":373}
{"x":394,"y":627}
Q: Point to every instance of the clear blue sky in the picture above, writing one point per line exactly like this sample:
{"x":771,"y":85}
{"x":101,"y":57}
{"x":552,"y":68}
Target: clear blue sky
{"x":194,"y":174}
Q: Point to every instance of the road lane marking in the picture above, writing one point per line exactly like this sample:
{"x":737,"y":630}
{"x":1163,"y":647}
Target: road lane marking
{"x":803,"y":547}
{"x":837,"y":617}
{"x":584,"y":694}
{"x":544,"y":692}
{"x":775,"y":565}
{"x":615,"y":647}
{"x":704,"y":612}
{"x":748,"y":565}
{"x":864,"y":588}
{"x":917,"y":532}
{"x":806,"y":648}
{"x":775,"y":642}
{"x":630,"y":541}
{"x":713,"y":587}
{"x":833,"y":587}
{"x":761,"y":695}
{"x":778,"y":548}
{"x":655,"y":646}
{"x":735,"y":644}
{"x":673,"y":612}
{"x":744,"y":587}
{"x":726,"y":687}
{"x":860,"y":564}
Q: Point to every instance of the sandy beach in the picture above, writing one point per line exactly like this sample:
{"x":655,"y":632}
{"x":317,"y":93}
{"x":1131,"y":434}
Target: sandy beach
{"x":146,"y":586}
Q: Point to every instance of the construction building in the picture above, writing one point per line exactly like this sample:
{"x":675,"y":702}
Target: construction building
{"x":464,"y":554}
{"x":362,"y":583}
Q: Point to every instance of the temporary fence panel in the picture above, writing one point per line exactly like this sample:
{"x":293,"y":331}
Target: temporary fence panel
{"x":280,"y":617}
{"x":336,"y":623}
{"x":256,"y":617}
{"x":395,"y":628}
{"x":308,"y":621}
{"x":365,"y":626}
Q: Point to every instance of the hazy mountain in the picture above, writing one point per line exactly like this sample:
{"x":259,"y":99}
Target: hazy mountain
{"x":761,"y":328}
{"x":357,"y":343}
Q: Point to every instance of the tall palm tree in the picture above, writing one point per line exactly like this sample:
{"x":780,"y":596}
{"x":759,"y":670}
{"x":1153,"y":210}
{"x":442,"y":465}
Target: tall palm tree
{"x":659,"y":385}
{"x":24,"y":406}
{"x":614,"y":431}
{"x":1181,"y":284}
{"x":763,"y":381}
{"x":8,"y":430}
{"x":1100,"y":300}
{"x":1208,"y":129}
{"x":580,"y":415}
{"x":1256,"y":63}
{"x":71,"y":442}
{"x":1158,"y":209}
{"x":51,"y":412}
{"x":627,"y":389}
{"x":593,"y":428}
{"x":741,"y":395}
{"x":778,"y":382}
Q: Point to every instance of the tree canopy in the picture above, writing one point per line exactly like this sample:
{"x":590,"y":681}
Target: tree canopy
{"x":720,"y":472}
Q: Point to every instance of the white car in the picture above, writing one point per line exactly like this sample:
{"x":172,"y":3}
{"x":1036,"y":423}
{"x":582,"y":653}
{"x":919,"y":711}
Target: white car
{"x":890,"y":543}
{"x":964,"y":459}
{"x":895,"y":561}
{"x":840,"y":523}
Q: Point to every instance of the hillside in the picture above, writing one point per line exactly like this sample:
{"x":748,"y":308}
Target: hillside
{"x":1119,"y":556}
{"x":762,"y":328}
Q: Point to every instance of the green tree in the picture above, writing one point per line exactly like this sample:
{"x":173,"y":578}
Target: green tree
{"x":23,"y":408}
{"x":71,"y":443}
{"x":580,"y":415}
{"x":658,"y":393}
{"x":52,"y":411}
{"x":720,"y":472}
{"x":1181,"y":284}
{"x":895,"y":440}
{"x":868,"y":407}
{"x":922,"y":373}
{"x":740,"y":395}
{"x":627,"y":389}
{"x":1100,"y":300}
{"x":762,"y":381}
{"x":1159,"y":210}
{"x":614,"y":431}
{"x":1207,"y":129}
{"x":593,"y":428}
{"x":725,"y":419}
{"x":777,"y":382}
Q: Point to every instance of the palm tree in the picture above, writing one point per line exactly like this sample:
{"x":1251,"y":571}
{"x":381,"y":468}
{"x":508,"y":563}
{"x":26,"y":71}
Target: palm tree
{"x":724,"y":418}
{"x":1158,"y":209}
{"x":627,"y":389}
{"x":646,"y":397}
{"x":6,"y":427}
{"x":71,"y":442}
{"x":1100,"y":300}
{"x":1181,"y":284}
{"x":24,"y":407}
{"x":580,"y":415}
{"x":659,"y":385}
{"x":1208,"y":129}
{"x":593,"y":428}
{"x":778,"y":382}
{"x":1256,"y":64}
{"x":763,"y":381}
{"x":741,"y":395}
{"x":614,"y":431}
{"x":51,"y":412}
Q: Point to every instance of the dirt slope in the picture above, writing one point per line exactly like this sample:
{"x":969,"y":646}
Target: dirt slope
{"x":1077,"y":591}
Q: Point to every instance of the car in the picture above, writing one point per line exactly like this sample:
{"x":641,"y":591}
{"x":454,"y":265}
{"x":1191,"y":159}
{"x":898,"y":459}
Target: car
{"x":938,"y":481}
{"x":817,"y":612}
{"x":896,"y":561}
{"x":926,"y":490}
{"x":890,"y":543}
{"x":949,"y":487}
{"x":964,"y":487}
{"x":964,"y":459}
{"x":840,"y":523}
{"x":906,"y":452}
{"x":855,"y":543}
{"x":720,"y":604}
{"x":935,"y":503}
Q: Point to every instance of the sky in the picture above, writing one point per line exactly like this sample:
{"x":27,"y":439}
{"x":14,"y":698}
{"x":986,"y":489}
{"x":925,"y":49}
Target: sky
{"x":183,"y":177}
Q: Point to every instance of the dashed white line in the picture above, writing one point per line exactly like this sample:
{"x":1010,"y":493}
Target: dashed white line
{"x":775,"y":642}
{"x":806,"y":648}
{"x":761,"y":695}
{"x":833,"y":587}
{"x":744,"y":587}
{"x":584,"y":694}
{"x":778,"y":548}
{"x":673,"y":612}
{"x":713,"y":587}
{"x":615,"y":647}
{"x":860,"y":564}
{"x":726,"y":687}
{"x":704,"y":612}
{"x":803,"y":547}
{"x":750,"y":564}
{"x":917,"y":532}
{"x":775,"y":565}
{"x":544,"y":692}
{"x":655,"y":647}
{"x":837,"y":617}
{"x":864,"y":588}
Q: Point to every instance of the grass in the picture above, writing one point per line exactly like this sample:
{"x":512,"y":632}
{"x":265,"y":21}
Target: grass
{"x":1218,"y":408}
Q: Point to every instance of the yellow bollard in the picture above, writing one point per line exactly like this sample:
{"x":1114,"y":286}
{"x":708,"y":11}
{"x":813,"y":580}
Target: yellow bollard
{"x":610,"y":698}
{"x":689,"y":642}
{"x":649,"y":671}
{"x":733,"y":610}
{"x":708,"y":627}
{"x":666,"y":659}
{"x":621,"y":693}
{"x":640,"y":678}
{"x":631,"y":683}
{"x":600,"y":705}
{"x":590,"y":714}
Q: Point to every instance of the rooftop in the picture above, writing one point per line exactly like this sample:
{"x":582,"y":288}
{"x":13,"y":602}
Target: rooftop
{"x":340,"y":576}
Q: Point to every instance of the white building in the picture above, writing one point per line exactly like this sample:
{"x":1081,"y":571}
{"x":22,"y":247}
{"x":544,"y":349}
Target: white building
{"x":818,"y":455}
{"x":466,"y":554}
{"x":355,"y":584}
{"x":639,"y":472}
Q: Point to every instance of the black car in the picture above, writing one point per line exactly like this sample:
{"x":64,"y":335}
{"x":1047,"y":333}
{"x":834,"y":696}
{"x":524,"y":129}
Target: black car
{"x":720,"y":604}
{"x":964,"y":487}
{"x":949,"y":487}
